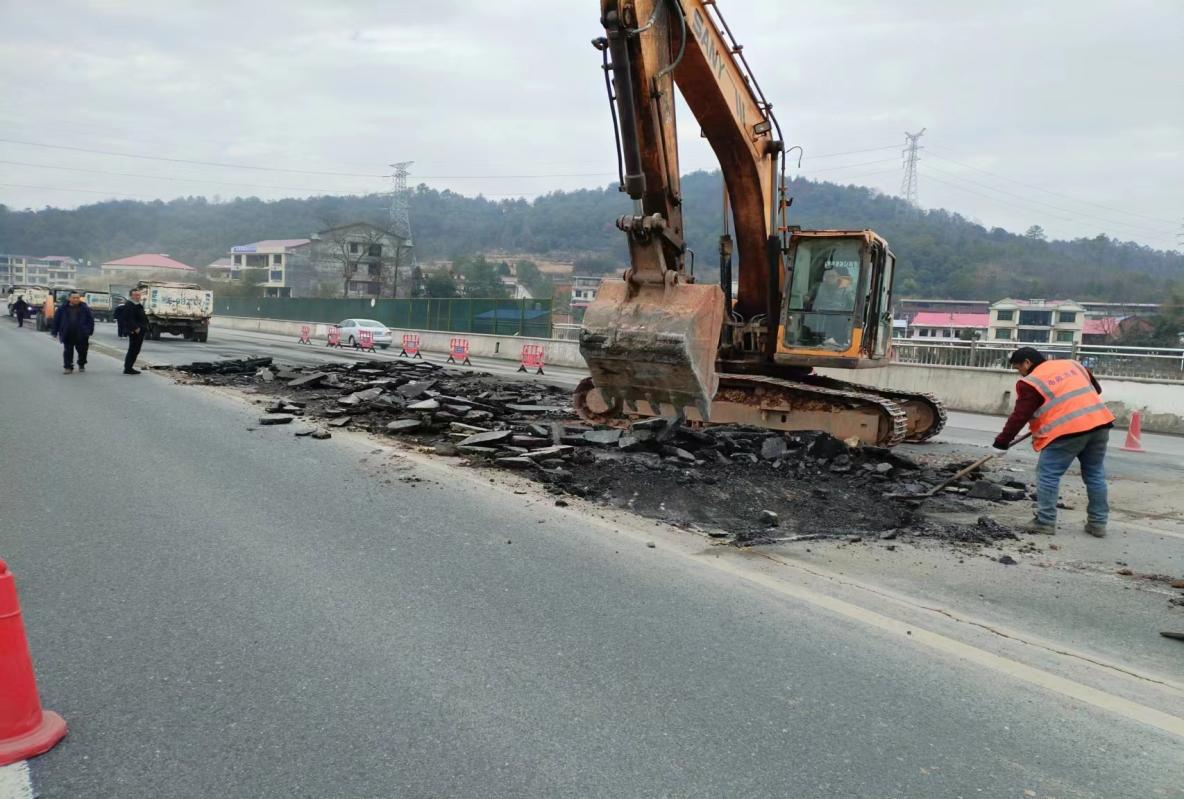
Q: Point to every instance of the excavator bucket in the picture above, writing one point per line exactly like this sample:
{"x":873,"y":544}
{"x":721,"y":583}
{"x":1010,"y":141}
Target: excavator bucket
{"x":659,"y":345}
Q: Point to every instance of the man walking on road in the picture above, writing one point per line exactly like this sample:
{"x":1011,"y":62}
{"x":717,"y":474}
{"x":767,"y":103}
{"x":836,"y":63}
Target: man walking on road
{"x":73,"y":324}
{"x":1061,"y":399}
{"x":134,"y":322}
{"x":21,"y":309}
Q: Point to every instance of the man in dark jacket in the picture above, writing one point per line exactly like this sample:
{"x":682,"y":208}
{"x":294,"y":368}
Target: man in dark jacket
{"x":134,"y":322}
{"x":1062,"y":402}
{"x":21,"y":309}
{"x":74,"y":324}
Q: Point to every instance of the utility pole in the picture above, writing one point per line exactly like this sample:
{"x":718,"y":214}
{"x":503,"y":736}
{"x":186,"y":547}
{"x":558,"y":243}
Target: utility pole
{"x":400,"y":220}
{"x":908,"y":185}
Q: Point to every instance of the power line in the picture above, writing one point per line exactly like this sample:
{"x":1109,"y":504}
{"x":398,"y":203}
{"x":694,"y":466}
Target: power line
{"x":168,"y":178}
{"x":851,"y":166}
{"x":256,"y":168}
{"x":850,"y":152}
{"x":1073,"y":213}
{"x":1049,"y":191}
{"x":85,"y":191}
{"x":1010,"y":204}
{"x":186,"y":160}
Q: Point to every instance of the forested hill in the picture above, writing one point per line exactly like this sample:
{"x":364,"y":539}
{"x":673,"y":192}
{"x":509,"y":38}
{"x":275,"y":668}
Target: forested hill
{"x":940,"y":253}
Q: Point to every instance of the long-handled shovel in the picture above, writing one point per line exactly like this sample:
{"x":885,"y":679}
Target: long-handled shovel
{"x":972,"y":467}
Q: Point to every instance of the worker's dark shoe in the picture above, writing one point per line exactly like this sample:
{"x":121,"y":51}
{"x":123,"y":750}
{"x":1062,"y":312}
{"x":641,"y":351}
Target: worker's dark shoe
{"x":1095,"y":529}
{"x":1037,"y":527}
{"x":131,"y":371}
{"x":81,"y":368}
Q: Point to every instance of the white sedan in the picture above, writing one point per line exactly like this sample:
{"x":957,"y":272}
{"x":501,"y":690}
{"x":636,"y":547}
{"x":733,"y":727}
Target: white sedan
{"x":351,"y":327}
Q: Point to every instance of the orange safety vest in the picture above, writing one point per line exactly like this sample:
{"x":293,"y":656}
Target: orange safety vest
{"x":1071,"y":405}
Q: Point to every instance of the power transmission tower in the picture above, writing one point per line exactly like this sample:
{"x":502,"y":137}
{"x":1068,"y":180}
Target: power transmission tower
{"x":400,"y":223}
{"x":908,"y":185}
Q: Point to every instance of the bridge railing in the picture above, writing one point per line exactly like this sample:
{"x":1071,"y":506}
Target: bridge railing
{"x":1156,"y":363}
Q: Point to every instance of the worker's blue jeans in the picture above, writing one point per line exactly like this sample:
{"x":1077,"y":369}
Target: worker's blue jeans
{"x":1090,"y":449}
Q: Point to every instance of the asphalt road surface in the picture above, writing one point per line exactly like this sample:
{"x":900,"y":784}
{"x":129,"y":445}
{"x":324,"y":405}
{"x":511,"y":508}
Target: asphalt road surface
{"x":220,"y":609}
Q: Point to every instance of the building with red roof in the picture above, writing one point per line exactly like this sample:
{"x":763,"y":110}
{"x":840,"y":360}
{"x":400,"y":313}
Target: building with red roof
{"x":942,"y":326}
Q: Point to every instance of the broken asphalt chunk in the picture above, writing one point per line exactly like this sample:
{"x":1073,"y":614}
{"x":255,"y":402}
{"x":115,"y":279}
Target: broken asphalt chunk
{"x":404,"y":425}
{"x":602,"y":437}
{"x":308,"y":381}
{"x":276,"y":418}
{"x":486,"y":439}
{"x":773,"y":448}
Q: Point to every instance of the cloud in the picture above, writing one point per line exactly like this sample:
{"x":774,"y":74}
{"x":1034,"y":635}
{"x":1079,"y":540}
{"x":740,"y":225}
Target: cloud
{"x":1070,"y":100}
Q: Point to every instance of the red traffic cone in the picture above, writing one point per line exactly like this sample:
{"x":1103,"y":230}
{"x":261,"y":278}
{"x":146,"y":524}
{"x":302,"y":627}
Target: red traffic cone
{"x":25,"y":731}
{"x":1134,"y":434}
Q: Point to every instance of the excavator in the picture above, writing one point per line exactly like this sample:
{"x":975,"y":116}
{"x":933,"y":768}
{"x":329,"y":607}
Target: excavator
{"x":658,"y":343}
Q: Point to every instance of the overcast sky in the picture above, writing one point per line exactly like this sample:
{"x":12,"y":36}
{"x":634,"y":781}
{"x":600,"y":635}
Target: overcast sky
{"x":1061,"y":113}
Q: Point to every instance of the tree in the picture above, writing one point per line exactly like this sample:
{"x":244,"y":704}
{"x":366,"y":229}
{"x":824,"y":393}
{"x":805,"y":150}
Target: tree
{"x":440,"y":284}
{"x":481,"y":278}
{"x":1036,"y":233}
{"x":529,"y":275}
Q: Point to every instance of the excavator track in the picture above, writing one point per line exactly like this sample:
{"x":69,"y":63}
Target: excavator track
{"x":926,"y":414}
{"x":773,"y":403}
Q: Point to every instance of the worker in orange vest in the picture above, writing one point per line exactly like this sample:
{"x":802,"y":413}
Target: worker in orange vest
{"x":1061,"y":400}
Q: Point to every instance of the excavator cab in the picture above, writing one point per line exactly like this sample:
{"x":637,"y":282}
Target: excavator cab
{"x":836,"y":309}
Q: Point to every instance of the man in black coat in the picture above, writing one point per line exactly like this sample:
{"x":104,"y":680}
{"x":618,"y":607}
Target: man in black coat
{"x":21,"y":309}
{"x":73,"y":325}
{"x":135,"y":323}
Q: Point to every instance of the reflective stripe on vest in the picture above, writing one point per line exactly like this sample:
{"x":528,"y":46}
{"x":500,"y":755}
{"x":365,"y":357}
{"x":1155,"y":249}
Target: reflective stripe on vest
{"x":1071,"y":405}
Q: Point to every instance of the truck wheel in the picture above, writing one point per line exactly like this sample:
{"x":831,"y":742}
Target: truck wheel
{"x":201,"y":337}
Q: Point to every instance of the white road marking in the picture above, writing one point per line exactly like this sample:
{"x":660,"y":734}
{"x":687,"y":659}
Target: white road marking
{"x":15,"y":782}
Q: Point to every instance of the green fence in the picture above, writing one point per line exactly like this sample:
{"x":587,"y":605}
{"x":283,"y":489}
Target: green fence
{"x":496,"y":317}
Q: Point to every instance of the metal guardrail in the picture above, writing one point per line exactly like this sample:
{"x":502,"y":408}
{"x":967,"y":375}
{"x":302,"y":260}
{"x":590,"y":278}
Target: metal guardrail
{"x":565,"y":331}
{"x":1156,"y":363}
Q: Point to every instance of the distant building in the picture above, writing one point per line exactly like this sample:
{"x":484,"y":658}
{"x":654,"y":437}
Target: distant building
{"x":63,"y":268}
{"x":378,"y":261}
{"x":584,"y":289}
{"x":1112,"y":329}
{"x":516,"y":290}
{"x":219,"y":270}
{"x":941,"y":326}
{"x":145,"y":265}
{"x":1037,"y":321}
{"x":25,"y":269}
{"x":282,"y":267}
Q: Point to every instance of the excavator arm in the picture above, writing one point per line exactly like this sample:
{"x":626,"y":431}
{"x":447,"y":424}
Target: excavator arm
{"x":656,"y":336}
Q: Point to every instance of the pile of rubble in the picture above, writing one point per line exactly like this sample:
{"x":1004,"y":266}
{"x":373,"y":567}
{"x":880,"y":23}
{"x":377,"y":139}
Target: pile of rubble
{"x":748,"y":484}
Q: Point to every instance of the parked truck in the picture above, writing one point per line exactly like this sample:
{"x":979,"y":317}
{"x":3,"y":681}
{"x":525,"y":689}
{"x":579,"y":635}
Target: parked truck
{"x":101,"y":305}
{"x":180,"y":309}
{"x":34,"y":296}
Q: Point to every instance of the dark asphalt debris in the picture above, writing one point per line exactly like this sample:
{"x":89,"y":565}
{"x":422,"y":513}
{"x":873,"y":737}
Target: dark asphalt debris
{"x":759,"y":486}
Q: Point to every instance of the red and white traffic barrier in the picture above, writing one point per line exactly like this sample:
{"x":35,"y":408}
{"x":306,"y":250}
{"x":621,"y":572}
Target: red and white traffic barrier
{"x":532,"y":358}
{"x":458,"y":351}
{"x":410,"y":346}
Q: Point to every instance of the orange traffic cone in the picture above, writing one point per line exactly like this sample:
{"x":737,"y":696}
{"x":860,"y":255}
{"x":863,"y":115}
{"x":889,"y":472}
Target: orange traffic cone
{"x":1134,"y":434}
{"x":25,"y":731}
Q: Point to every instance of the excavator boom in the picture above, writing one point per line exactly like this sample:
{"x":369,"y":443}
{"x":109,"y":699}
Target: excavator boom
{"x":655,"y":340}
